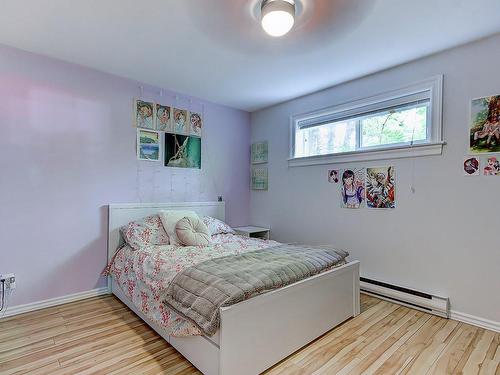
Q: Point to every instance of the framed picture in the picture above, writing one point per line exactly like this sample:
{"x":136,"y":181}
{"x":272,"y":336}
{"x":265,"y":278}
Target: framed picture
{"x":180,"y":121}
{"x":259,"y":152}
{"x":484,"y":126}
{"x":352,"y":187}
{"x":148,"y":145}
{"x":259,"y":178}
{"x":144,"y":114}
{"x":381,"y":187}
{"x":163,"y":118}
{"x":182,"y":151}
{"x":195,"y":124}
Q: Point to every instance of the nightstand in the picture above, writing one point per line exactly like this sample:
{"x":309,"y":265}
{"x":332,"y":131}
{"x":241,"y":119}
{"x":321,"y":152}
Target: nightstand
{"x":254,"y":232}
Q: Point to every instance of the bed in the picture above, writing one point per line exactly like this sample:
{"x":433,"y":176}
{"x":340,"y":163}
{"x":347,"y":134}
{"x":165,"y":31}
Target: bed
{"x":256,"y":333}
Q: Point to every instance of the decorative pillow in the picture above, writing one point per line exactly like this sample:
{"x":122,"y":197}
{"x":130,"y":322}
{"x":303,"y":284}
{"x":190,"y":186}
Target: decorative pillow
{"x":145,"y":232}
{"x":170,"y":219}
{"x":216,"y":226}
{"x":191,"y":231}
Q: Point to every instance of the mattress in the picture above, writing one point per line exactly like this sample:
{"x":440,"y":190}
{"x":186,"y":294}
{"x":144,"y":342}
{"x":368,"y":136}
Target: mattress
{"x":143,"y":275}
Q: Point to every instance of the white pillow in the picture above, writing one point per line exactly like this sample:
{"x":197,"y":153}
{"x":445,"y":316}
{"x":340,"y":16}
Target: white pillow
{"x":192,"y":232}
{"x":169,"y":219}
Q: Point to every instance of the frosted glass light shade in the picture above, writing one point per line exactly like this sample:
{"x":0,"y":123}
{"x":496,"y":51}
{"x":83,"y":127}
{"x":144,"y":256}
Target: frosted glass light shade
{"x":278,"y":17}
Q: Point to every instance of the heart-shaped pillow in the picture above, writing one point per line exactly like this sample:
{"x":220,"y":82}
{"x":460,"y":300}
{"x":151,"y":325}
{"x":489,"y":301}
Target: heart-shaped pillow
{"x":191,"y":231}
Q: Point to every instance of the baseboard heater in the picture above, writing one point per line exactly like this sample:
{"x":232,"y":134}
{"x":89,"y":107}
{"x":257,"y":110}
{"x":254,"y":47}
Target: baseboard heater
{"x":407,"y":297}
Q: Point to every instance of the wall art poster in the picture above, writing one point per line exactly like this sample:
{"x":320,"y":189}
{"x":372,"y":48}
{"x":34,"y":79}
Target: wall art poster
{"x":148,"y":145}
{"x":484,"y":128}
{"x":471,"y":166}
{"x":259,"y":178}
{"x":180,"y":121}
{"x":259,"y":152}
{"x":352,"y":187}
{"x":195,"y":124}
{"x":333,"y":176}
{"x":182,"y":151}
{"x":164,"y":118}
{"x":380,"y":187}
{"x":144,"y":114}
{"x":492,"y":167}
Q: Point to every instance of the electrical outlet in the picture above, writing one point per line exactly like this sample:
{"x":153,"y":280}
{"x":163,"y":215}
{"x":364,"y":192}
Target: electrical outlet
{"x":10,"y":281}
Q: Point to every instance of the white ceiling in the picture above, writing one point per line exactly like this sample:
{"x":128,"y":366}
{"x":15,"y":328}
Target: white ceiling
{"x":216,"y":50}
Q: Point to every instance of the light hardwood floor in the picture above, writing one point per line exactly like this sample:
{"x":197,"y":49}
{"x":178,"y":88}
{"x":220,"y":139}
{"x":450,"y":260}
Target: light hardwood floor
{"x":102,"y":336}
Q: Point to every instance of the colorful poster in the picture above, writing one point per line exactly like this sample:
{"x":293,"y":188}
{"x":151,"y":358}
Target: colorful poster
{"x":333,"y":176}
{"x":164,"y":118}
{"x":180,"y":121}
{"x":259,"y":178}
{"x":471,"y":166}
{"x":182,"y":151}
{"x":148,"y":145}
{"x":380,"y":187}
{"x":484,"y":128}
{"x":259,"y":152}
{"x":144,"y":112}
{"x":352,"y":187}
{"x":195,"y":124}
{"x":492,"y":167}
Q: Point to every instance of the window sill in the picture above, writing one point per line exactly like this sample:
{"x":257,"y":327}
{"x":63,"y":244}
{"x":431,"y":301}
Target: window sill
{"x":368,"y":155}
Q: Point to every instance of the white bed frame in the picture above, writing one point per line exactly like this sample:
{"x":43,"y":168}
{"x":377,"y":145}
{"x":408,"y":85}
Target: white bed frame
{"x":261,"y":331}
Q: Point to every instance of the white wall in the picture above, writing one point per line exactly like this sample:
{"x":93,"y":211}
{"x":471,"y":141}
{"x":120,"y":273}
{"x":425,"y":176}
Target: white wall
{"x":443,"y":238}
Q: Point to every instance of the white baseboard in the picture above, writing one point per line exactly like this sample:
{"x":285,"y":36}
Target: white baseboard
{"x":475,"y":321}
{"x":20,"y":309}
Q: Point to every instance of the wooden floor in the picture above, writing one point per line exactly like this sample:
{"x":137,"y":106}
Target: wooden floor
{"x":102,"y":336}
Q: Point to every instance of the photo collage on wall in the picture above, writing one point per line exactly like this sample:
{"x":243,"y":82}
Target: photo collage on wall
{"x":259,"y":173}
{"x":365,"y":187}
{"x":182,"y":131}
{"x":484,"y":138}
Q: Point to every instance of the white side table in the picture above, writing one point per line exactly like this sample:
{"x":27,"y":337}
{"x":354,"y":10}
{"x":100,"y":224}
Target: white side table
{"x":253,"y":231}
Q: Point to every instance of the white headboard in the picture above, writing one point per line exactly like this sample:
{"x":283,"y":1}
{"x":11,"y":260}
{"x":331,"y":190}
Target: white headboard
{"x":121,"y":214}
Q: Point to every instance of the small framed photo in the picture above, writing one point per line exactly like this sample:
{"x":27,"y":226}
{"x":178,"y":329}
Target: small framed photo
{"x":180,"y":121}
{"x":144,"y":114}
{"x":259,"y":178}
{"x":148,"y":145}
{"x":259,"y":152}
{"x":164,"y":118}
{"x":195,"y":124}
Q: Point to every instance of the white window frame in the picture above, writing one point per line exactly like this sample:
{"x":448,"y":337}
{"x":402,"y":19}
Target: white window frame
{"x":430,"y":89}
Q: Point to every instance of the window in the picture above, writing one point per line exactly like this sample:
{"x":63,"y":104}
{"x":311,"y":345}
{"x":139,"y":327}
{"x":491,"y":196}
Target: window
{"x":363,"y":130}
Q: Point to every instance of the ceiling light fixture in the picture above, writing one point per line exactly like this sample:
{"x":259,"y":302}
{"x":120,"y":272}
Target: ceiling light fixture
{"x":278,"y":16}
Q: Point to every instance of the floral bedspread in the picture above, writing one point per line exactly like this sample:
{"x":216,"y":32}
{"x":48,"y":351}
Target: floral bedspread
{"x":145,"y":274}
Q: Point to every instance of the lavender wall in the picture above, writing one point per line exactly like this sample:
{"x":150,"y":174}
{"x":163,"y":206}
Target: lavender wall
{"x":67,"y":149}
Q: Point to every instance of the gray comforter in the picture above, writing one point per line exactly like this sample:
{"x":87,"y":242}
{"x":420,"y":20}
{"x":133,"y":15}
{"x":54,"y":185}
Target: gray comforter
{"x":198,"y":292}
